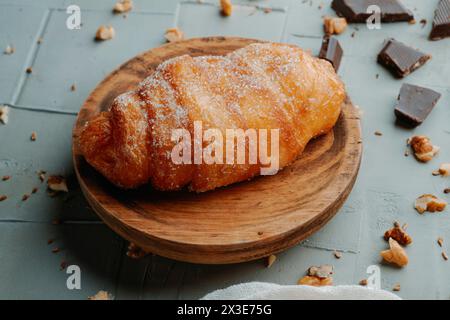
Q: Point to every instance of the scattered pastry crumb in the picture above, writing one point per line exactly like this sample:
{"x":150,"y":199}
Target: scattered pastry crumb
{"x":363,"y":282}
{"x":413,"y":21}
{"x":440,"y":241}
{"x":337,"y":254}
{"x":6,"y":178}
{"x":315,"y":281}
{"x":34,"y":190}
{"x":63,"y":265}
{"x":57,"y":184}
{"x":396,"y":287}
{"x":41,"y":175}
{"x":406,"y":154}
{"x":435,"y":173}
{"x":267,"y":10}
{"x":55,"y":250}
{"x":318,"y":276}
{"x":423,"y":149}
{"x":123,"y":6}
{"x":105,"y":33}
{"x":3,"y":197}
{"x":4,"y":114}
{"x":136,"y":252}
{"x":447,"y":190}
{"x":226,"y":8}
{"x":378,"y":133}
{"x":353,"y":34}
{"x":444,"y":255}
{"x":423,"y":22}
{"x":73,"y":87}
{"x":25,"y":197}
{"x":444,"y":169}
{"x":29,"y":70}
{"x":174,"y":35}
{"x":377,"y":76}
{"x":430,"y":203}
{"x":9,"y":50}
{"x":398,"y":234}
{"x":271,"y":260}
{"x":40,"y":40}
{"x":101,"y":295}
{"x":333,"y":25}
{"x":50,"y":241}
{"x":395,"y":254}
{"x":33,"y":136}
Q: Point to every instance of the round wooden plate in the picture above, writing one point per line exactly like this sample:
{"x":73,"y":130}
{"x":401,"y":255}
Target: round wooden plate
{"x":242,"y":222}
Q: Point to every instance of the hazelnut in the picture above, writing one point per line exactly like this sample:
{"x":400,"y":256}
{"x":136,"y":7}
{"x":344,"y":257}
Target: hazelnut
{"x":105,"y":33}
{"x":430,"y":203}
{"x":422,"y":147}
{"x":395,"y":254}
{"x":226,"y":7}
{"x":333,"y":25}
{"x":398,"y":234}
{"x":174,"y":35}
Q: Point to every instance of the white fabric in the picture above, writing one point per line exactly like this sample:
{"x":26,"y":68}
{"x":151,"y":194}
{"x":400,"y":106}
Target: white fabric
{"x":271,"y":291}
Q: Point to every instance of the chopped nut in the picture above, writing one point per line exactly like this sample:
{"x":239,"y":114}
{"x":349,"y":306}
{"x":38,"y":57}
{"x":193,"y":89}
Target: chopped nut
{"x":430,"y":203}
{"x":363,"y":282}
{"x":41,"y":175}
{"x":55,"y":250}
{"x":63,"y":265}
{"x":334,"y":25}
{"x":444,"y":169}
{"x":267,"y":10}
{"x":413,"y":21}
{"x":315,"y":281}
{"x":4,"y":112}
{"x":270,"y":260}
{"x":123,"y":6}
{"x":136,"y":252}
{"x":33,"y":136}
{"x":3,"y":197}
{"x":174,"y":35}
{"x":337,"y":254}
{"x":34,"y":190}
{"x":226,"y":8}
{"x":422,"y":147}
{"x":105,"y":33}
{"x":29,"y":70}
{"x":396,"y":287}
{"x":444,"y":255}
{"x":323,"y":271}
{"x":6,"y":178}
{"x":40,"y":40}
{"x":395,"y":254}
{"x":73,"y":87}
{"x":378,"y":133}
{"x":440,"y":241}
{"x":57,"y":184}
{"x":50,"y":241}
{"x":398,"y":234}
{"x":9,"y":50}
{"x":435,"y":173}
{"x":447,"y":190}
{"x":25,"y":197}
{"x":101,"y":295}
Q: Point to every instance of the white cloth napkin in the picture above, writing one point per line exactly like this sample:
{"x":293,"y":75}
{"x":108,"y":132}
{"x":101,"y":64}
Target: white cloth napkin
{"x":272,"y":291}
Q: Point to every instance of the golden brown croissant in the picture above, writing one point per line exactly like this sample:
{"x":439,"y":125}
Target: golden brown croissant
{"x":262,"y":86}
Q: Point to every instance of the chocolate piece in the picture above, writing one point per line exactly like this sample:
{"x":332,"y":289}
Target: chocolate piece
{"x":331,"y":51}
{"x":401,"y":59}
{"x":414,"y":104}
{"x":441,"y":21}
{"x":356,"y":10}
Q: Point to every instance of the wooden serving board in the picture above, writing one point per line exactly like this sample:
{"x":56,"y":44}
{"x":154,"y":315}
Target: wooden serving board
{"x":242,"y":222}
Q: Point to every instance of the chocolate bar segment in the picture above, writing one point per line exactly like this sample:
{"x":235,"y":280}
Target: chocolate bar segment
{"x":401,"y":59}
{"x":331,"y":51}
{"x":415,"y":104}
{"x":356,"y":10}
{"x":441,"y":21}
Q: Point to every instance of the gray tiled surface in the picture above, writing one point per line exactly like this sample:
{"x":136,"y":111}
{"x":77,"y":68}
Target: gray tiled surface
{"x":387,"y":184}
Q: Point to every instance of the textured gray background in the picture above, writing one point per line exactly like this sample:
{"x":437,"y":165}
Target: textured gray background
{"x":385,"y":190}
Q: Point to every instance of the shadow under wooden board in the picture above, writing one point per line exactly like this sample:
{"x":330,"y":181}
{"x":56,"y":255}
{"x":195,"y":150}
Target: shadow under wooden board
{"x":241,"y":222}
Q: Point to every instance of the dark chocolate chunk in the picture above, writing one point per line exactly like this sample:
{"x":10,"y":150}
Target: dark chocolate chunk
{"x":441,"y":21}
{"x":414,"y":104}
{"x":356,"y":10}
{"x":401,"y":59}
{"x":331,"y":51}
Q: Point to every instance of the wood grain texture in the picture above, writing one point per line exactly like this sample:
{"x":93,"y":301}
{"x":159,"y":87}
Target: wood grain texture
{"x":242,"y":222}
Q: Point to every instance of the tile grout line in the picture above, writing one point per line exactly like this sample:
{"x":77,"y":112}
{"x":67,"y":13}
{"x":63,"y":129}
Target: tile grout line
{"x":40,"y":109}
{"x":31,"y":57}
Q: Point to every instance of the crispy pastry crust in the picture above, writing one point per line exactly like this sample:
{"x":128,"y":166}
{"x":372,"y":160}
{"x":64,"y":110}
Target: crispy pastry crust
{"x":261,"y":86}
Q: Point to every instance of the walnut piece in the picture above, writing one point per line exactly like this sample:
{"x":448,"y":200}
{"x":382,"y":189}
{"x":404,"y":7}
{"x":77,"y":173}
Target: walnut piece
{"x":315,"y":281}
{"x":174,"y":35}
{"x":226,"y":8}
{"x":423,"y":149}
{"x":105,"y":33}
{"x":57,"y":184}
{"x":323,"y":271}
{"x":271,"y":260}
{"x":101,"y":295}
{"x":444,"y":169}
{"x":4,"y":114}
{"x":398,"y":234}
{"x":395,"y":254}
{"x":333,"y":25}
{"x":430,"y":203}
{"x":136,"y":252}
{"x":123,"y":6}
{"x":318,"y":276}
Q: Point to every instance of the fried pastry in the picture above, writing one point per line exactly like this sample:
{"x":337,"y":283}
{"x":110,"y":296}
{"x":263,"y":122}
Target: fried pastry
{"x":263,"y":86}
